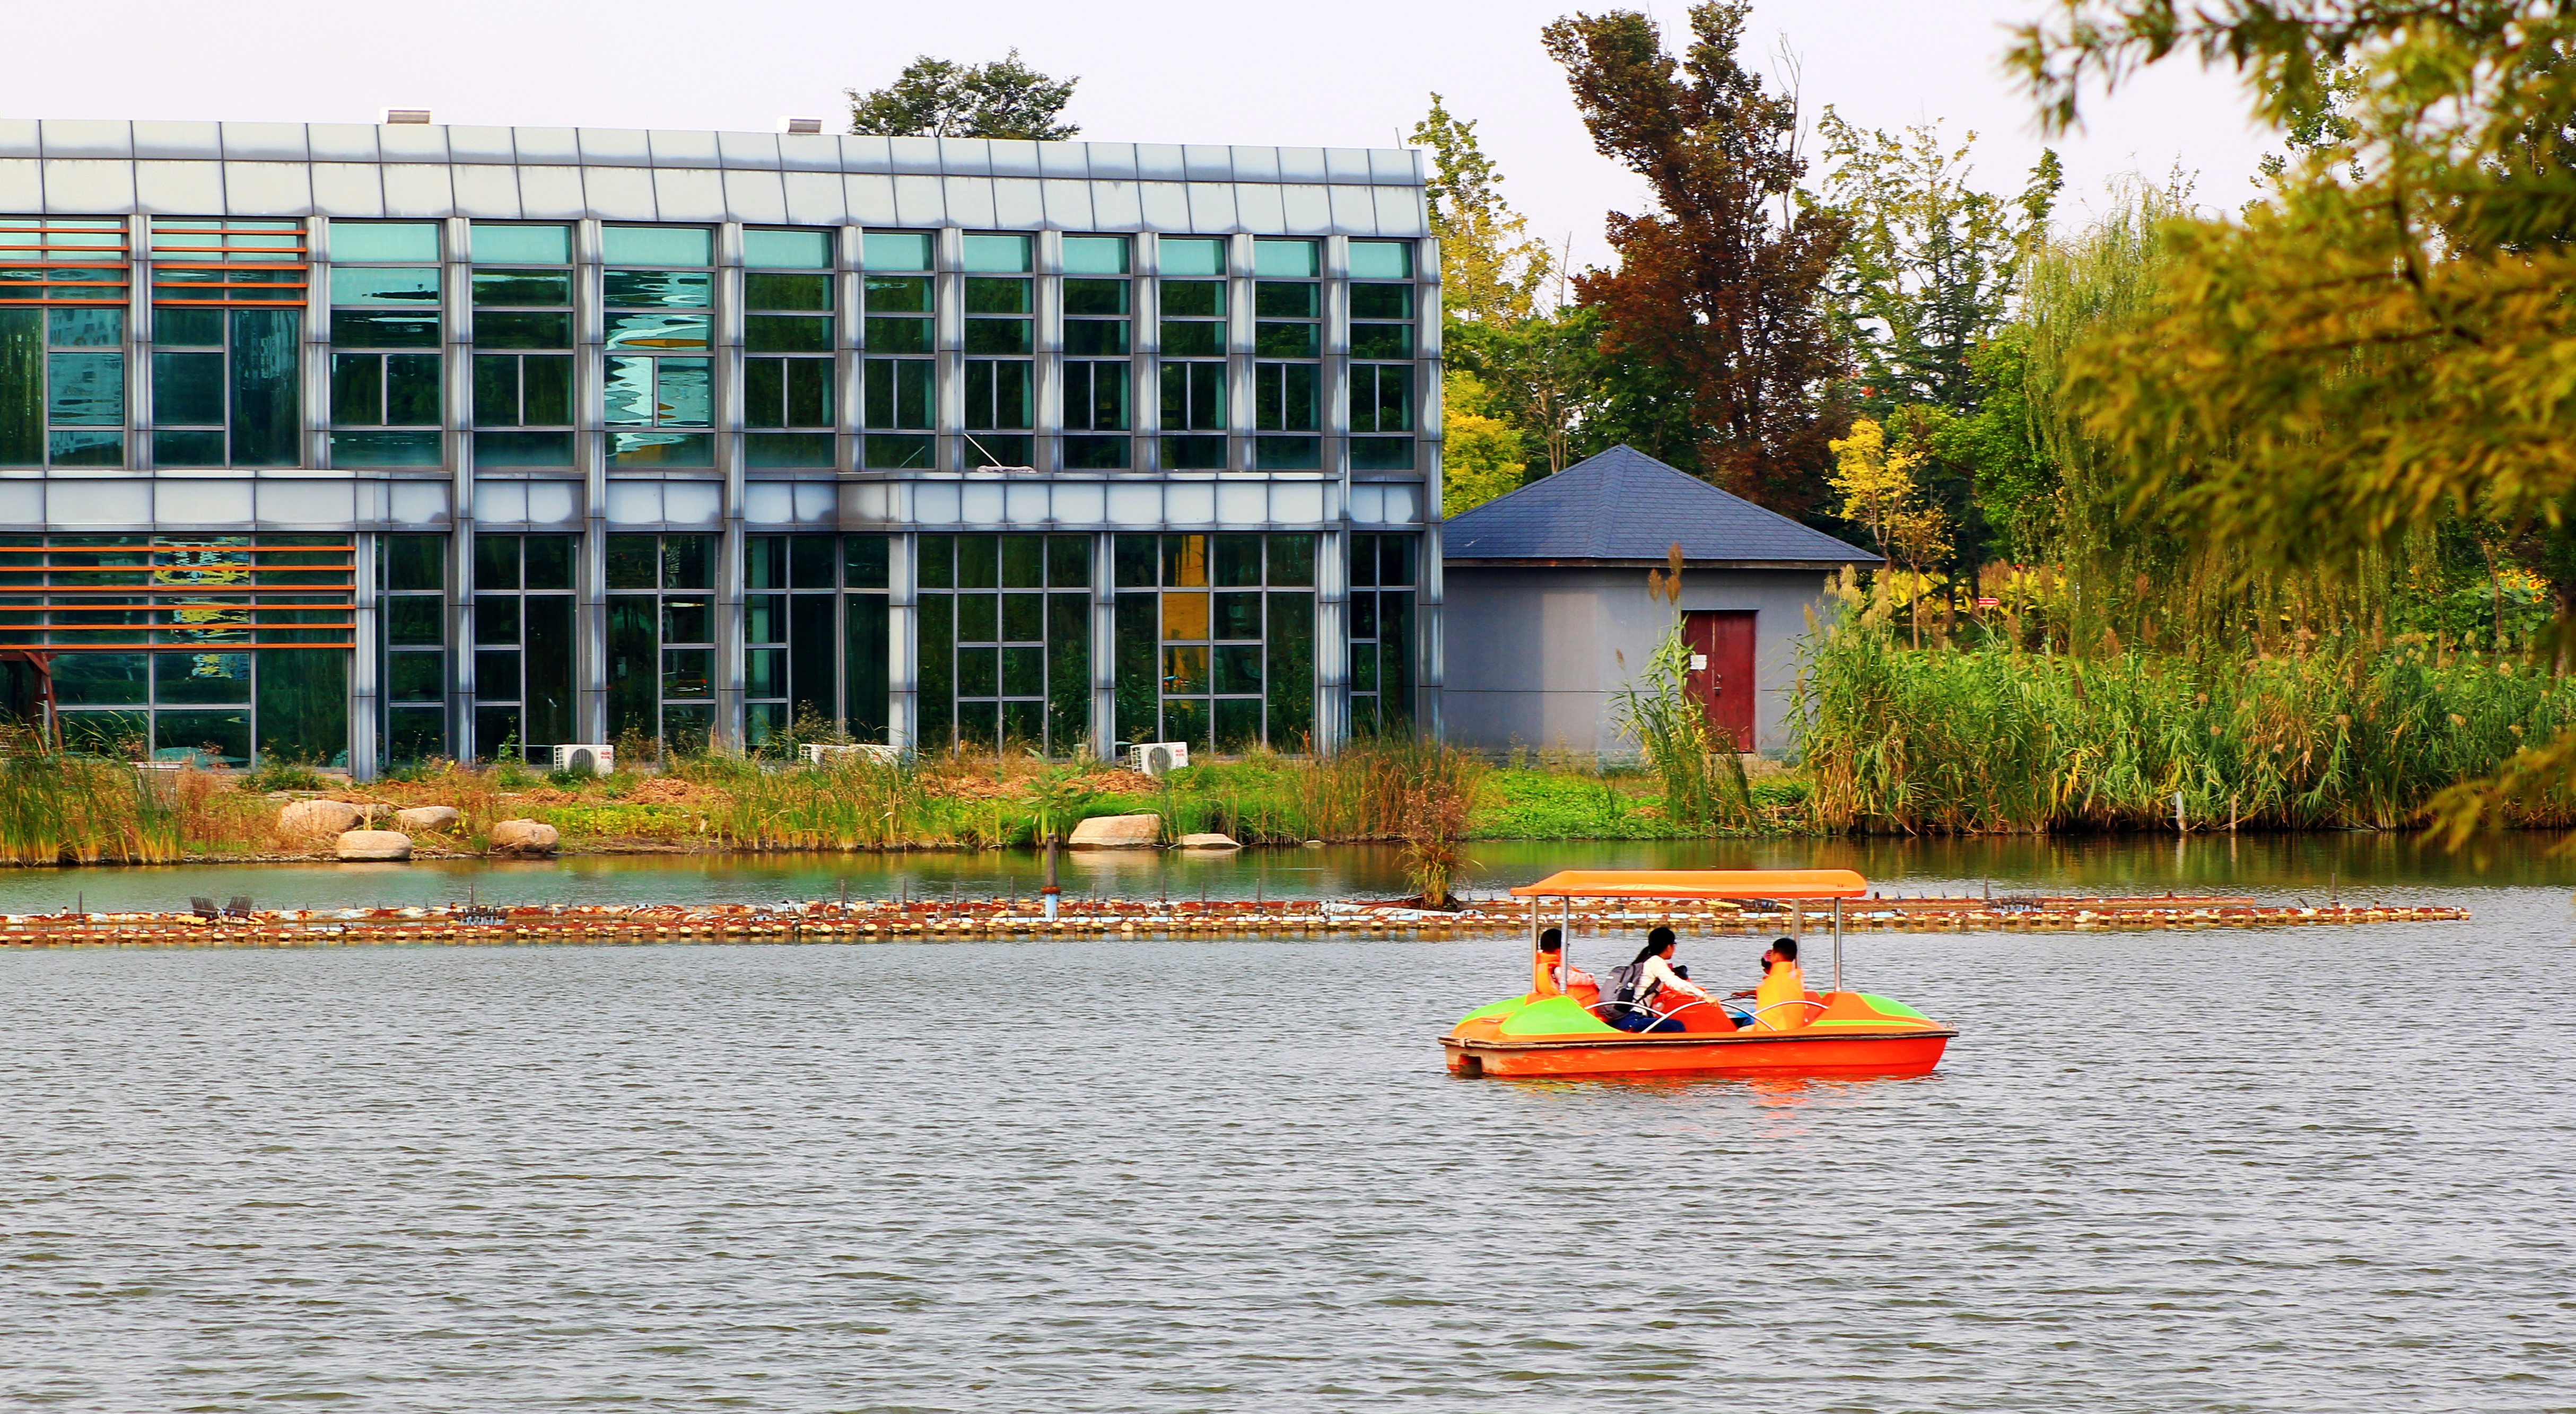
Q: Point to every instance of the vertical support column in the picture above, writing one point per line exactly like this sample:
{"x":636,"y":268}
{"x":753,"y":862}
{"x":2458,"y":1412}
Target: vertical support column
{"x":1332,"y":637}
{"x":1429,"y":446}
{"x":1333,"y":379}
{"x":456,"y":381}
{"x":1145,"y":287}
{"x":727,"y":356}
{"x":903,"y":634}
{"x":364,"y":711}
{"x":1238,"y":351}
{"x":590,"y":457}
{"x":948,"y":336}
{"x":1104,"y":646}
{"x":1046,"y":277}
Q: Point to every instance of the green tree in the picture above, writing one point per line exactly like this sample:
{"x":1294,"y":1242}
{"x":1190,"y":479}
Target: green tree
{"x":1480,"y":455}
{"x":943,"y":98}
{"x":1714,"y":291}
{"x":1490,"y":271}
{"x":1932,"y":263}
{"x":2386,"y":338}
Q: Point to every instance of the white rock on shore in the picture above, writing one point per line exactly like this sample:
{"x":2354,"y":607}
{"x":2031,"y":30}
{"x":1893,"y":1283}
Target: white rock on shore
{"x":319,"y":817}
{"x":524,"y":837}
{"x":1117,"y":832}
{"x":375,"y":844}
{"x":426,"y":817}
{"x":1210,"y":841}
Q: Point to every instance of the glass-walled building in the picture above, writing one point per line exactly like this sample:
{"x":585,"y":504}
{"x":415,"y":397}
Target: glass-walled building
{"x":362,"y":445}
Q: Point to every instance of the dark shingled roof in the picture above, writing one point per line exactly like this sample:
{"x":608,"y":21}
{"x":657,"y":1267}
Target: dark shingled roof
{"x":1626,"y":506}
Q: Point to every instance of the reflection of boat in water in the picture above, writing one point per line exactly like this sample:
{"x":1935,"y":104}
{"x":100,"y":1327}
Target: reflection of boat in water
{"x":1837,"y":1032}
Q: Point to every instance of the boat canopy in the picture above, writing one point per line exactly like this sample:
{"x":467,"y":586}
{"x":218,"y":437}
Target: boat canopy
{"x":1698,"y":883}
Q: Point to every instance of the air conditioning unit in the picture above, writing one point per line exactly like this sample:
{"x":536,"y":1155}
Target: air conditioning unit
{"x":587,"y":758}
{"x":1156,"y":757}
{"x":821,"y":754}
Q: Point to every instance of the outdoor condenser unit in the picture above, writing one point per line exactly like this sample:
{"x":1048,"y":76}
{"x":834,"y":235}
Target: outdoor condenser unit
{"x":1156,"y":757}
{"x":587,"y":758}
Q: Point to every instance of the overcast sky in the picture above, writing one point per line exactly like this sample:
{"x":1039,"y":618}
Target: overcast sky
{"x":1314,"y":73}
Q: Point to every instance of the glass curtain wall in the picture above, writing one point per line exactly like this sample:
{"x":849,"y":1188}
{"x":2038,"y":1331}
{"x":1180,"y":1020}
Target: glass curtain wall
{"x":1005,"y":641}
{"x":63,"y":300}
{"x":523,"y":377}
{"x":1191,"y":296}
{"x":899,"y":334}
{"x":788,"y":363}
{"x":385,"y":344}
{"x":1098,"y":300}
{"x":525,"y":652}
{"x":657,"y":371}
{"x":661,"y":640}
{"x":814,"y":634}
{"x":1000,"y":378}
{"x":1287,"y":349}
{"x":411,"y":614}
{"x":227,"y":327}
{"x":1384,"y":574}
{"x":1382,"y":351}
{"x":1216,"y":640}
{"x":222,"y":649}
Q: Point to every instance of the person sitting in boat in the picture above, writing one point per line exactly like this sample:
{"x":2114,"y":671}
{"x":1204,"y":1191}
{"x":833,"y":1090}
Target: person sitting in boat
{"x":1779,"y":1003}
{"x":1649,"y":977}
{"x":1550,"y":974}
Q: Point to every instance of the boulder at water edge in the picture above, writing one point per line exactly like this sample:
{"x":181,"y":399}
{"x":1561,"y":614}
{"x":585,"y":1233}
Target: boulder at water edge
{"x":1117,"y":832}
{"x":524,"y":837}
{"x":426,"y":817}
{"x":375,"y":844}
{"x":319,"y":817}
{"x":1210,"y":841}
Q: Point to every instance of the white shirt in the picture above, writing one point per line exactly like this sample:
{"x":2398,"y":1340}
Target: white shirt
{"x":1659,"y":973}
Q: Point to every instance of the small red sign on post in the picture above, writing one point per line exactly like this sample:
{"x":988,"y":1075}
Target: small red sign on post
{"x":1985,"y":603}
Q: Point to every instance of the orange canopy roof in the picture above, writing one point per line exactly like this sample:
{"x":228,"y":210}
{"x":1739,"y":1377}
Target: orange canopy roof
{"x":1697,"y":883}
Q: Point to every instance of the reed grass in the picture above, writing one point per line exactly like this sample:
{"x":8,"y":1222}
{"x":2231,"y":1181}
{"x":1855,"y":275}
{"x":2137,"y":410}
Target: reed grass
{"x":1993,"y":738}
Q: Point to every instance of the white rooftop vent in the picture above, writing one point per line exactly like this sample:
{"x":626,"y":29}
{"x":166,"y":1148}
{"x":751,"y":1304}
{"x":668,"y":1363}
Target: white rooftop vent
{"x":406,"y":115}
{"x":812,"y":126}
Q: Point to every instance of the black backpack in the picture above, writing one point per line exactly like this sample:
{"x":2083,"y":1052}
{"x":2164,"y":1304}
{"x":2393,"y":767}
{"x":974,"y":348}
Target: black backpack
{"x":1624,"y":980}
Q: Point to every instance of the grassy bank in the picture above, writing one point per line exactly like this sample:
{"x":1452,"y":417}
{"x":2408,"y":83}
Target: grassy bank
{"x":1998,"y":739}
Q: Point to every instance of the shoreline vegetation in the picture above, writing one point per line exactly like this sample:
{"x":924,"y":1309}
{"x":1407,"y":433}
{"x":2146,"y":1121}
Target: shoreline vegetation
{"x":1953,"y":738}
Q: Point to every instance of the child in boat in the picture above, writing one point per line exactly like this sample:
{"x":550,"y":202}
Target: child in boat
{"x":1550,"y":974}
{"x":1782,"y":982}
{"x":1654,"y":975}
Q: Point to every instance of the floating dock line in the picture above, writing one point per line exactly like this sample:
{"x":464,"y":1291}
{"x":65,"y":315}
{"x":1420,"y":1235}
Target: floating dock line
{"x":887,"y":921}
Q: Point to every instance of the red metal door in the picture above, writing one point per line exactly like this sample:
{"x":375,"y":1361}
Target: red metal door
{"x":1721,"y":677}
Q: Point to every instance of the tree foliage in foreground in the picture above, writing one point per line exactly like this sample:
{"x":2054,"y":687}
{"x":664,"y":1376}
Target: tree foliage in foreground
{"x":943,"y":98}
{"x":2384,"y":342}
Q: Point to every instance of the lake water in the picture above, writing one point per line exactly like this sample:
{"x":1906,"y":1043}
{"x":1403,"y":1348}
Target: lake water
{"x":2311,"y":1169}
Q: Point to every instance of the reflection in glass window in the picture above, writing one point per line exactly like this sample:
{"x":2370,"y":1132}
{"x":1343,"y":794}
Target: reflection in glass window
{"x":661,"y":640}
{"x":657,"y":383}
{"x":1215,"y":640}
{"x":1383,"y":580}
{"x":1005,"y":641}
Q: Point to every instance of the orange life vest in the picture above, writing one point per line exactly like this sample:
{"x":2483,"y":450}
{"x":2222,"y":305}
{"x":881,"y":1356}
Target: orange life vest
{"x":1783,"y":983}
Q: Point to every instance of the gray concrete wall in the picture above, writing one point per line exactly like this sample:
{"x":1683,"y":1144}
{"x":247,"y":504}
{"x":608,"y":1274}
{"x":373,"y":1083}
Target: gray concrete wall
{"x":1535,"y":653}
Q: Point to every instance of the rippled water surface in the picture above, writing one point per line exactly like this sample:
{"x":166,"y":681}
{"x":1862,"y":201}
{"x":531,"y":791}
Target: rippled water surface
{"x":2297,"y":1170}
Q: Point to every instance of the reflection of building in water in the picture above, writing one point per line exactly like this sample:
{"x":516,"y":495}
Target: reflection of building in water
{"x":360,"y":445}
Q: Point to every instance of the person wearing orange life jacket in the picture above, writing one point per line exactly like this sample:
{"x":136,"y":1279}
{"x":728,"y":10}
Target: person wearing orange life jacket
{"x":1551,"y":975}
{"x":1780,"y":1003}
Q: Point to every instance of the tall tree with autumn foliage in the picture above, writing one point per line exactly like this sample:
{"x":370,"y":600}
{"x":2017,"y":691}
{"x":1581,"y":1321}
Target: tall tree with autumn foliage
{"x":1718,"y":290}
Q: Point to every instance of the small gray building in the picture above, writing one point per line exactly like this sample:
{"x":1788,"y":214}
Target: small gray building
{"x":1549,"y":614}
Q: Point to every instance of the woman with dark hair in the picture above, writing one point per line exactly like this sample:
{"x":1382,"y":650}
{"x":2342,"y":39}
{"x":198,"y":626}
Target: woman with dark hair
{"x":1647,"y":977}
{"x":1551,"y":974}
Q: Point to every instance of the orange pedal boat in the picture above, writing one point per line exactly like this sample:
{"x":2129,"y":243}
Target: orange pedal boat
{"x":1830,"y":1033}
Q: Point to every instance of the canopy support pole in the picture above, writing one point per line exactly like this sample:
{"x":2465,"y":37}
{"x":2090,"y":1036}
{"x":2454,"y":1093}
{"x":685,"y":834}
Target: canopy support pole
{"x":1838,"y":945}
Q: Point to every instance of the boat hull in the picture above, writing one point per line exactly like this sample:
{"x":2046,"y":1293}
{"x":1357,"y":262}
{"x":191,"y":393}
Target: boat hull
{"x":1911,"y":1051}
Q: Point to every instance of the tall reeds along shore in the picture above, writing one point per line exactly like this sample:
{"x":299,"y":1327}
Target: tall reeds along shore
{"x":1998,"y":738}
